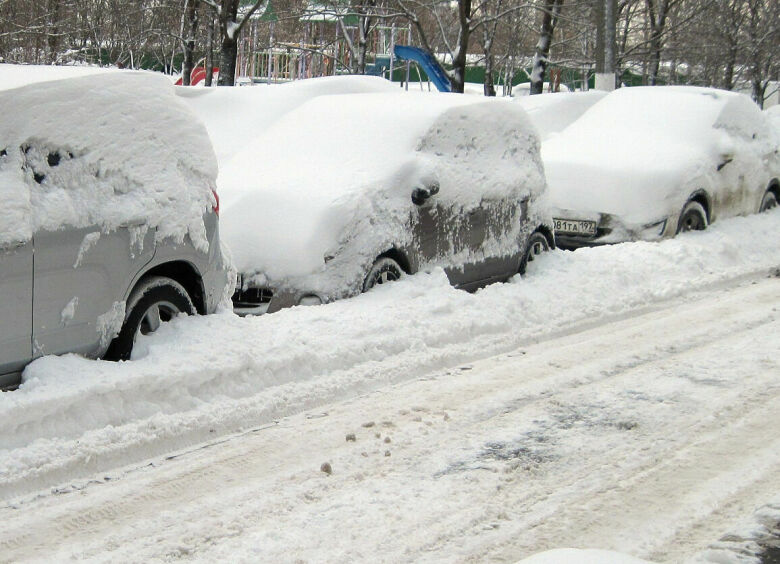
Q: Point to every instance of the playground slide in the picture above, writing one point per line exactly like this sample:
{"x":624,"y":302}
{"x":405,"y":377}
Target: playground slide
{"x":198,"y":75}
{"x":428,"y":64}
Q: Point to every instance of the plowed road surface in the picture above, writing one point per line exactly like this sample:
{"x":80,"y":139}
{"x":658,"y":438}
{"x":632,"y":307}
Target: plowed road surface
{"x":653,"y":435}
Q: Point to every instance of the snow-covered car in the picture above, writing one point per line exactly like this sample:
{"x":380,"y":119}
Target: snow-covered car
{"x":110,"y":217}
{"x":551,"y":113}
{"x":351,"y":191}
{"x":649,"y":162}
{"x":234,"y":115}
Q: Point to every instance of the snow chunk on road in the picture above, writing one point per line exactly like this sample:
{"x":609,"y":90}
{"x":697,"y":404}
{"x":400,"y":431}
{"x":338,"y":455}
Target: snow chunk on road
{"x":107,"y":150}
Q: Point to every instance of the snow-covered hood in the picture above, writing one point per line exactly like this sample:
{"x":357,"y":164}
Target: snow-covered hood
{"x":641,"y":151}
{"x":636,"y":178}
{"x":106,"y":150}
{"x":315,"y":182}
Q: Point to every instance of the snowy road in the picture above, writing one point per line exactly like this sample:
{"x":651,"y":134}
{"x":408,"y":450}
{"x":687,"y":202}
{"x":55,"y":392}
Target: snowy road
{"x":653,"y":435}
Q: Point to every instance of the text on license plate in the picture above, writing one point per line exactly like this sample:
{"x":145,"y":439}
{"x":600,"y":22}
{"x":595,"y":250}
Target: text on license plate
{"x":578,"y":226}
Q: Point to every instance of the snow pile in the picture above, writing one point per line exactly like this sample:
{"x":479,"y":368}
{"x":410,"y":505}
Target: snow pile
{"x":220,"y":373}
{"x":552,"y":113}
{"x":524,"y":89}
{"x":105,"y":150}
{"x":343,"y":188}
{"x":234,"y":116}
{"x":640,"y":152}
{"x":587,"y":556}
{"x":16,"y":76}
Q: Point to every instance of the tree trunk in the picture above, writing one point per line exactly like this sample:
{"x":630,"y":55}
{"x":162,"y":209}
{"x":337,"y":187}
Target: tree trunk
{"x":228,"y":54}
{"x":210,"y":55}
{"x":552,"y":9}
{"x":189,"y":43}
{"x":759,"y":91}
{"x":53,"y":31}
{"x":458,"y":77}
{"x":655,"y":60}
{"x":489,"y":87}
{"x":363,"y":26}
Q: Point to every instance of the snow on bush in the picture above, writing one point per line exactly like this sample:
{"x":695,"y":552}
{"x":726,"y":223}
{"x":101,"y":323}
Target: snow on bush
{"x":109,"y":150}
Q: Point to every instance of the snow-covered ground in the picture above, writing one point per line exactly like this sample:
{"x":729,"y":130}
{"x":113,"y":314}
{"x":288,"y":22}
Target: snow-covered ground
{"x":616,"y":403}
{"x":631,"y":407}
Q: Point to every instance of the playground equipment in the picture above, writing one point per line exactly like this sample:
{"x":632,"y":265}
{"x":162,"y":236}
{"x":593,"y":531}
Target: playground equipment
{"x":428,"y":64}
{"x":198,"y":75}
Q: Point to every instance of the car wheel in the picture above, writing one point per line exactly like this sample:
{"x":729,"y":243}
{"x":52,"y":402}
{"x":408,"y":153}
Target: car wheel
{"x":154,"y":301}
{"x":536,"y":245}
{"x":692,"y":218}
{"x":768,"y":202}
{"x":383,"y":270}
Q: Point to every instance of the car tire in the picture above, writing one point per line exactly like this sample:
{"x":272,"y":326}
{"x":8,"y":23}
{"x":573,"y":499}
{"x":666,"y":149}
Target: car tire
{"x":768,"y":202}
{"x":383,"y":270}
{"x":692,"y":218}
{"x":536,"y":245}
{"x":156,"y":299}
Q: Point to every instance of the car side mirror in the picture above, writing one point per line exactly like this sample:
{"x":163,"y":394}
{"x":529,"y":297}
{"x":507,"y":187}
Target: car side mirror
{"x":421,"y":195}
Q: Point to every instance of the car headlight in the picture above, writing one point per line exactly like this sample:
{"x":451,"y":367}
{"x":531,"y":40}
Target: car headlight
{"x":309,"y":300}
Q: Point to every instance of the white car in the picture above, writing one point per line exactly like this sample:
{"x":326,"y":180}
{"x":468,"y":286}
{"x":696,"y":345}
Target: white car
{"x":355,"y":190}
{"x":553,"y":112}
{"x":648,"y":162}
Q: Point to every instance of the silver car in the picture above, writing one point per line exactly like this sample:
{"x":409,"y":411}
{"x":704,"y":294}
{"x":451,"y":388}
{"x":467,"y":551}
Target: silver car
{"x":646,"y":163}
{"x":409,"y":183}
{"x":111,"y":227}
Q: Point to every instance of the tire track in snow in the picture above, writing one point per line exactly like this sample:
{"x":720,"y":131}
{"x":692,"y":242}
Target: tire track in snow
{"x":136,"y":510}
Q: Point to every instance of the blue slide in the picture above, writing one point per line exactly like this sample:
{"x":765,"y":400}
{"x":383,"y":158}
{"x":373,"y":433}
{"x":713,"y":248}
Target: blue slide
{"x":428,"y":64}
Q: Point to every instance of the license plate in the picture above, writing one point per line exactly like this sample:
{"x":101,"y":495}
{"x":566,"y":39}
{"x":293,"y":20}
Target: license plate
{"x":575,"y":226}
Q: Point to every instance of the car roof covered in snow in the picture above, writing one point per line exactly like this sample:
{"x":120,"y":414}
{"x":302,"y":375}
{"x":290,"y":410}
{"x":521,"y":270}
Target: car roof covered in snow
{"x":551,"y":113}
{"x":234,"y":116}
{"x":103,"y":150}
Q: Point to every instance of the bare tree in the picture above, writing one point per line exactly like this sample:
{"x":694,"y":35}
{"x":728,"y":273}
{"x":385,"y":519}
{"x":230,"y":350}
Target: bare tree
{"x":231,"y":21}
{"x":550,"y":14}
{"x":190,"y":25}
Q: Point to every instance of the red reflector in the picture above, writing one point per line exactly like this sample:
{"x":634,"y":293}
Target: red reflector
{"x":216,"y":205}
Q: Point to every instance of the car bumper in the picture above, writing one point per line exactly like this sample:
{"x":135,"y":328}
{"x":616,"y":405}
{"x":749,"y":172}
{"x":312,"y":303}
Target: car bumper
{"x":609,"y":230}
{"x":250,"y":300}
